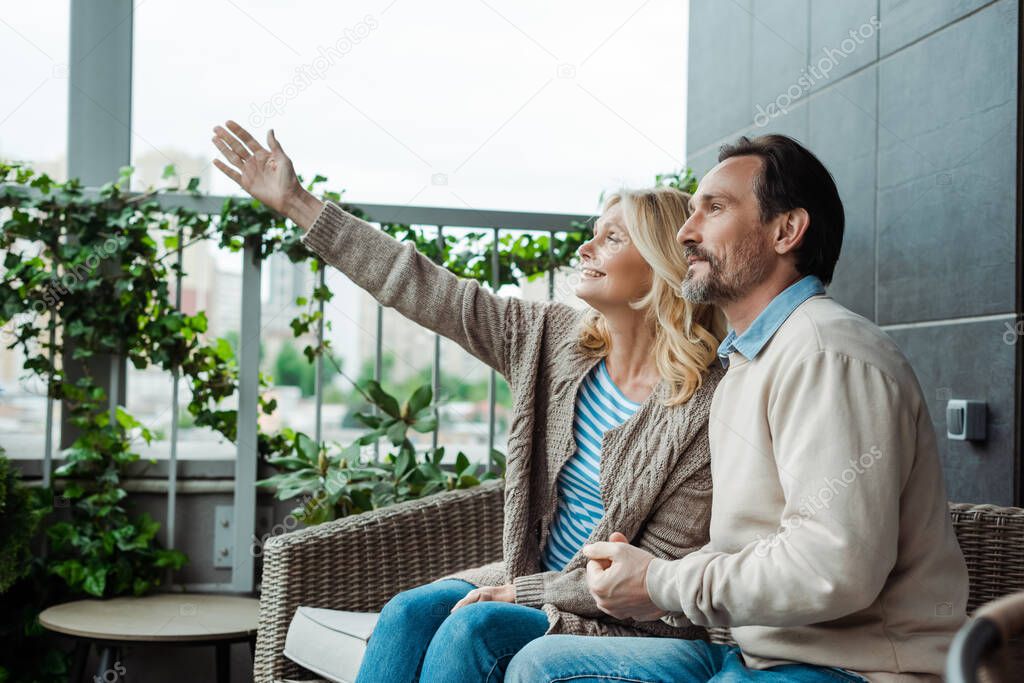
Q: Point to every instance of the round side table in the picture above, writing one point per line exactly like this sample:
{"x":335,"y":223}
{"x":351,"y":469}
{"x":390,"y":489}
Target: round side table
{"x":165,"y":619}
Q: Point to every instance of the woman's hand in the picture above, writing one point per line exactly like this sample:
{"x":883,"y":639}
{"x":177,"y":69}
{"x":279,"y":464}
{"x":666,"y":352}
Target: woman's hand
{"x":506,"y":593}
{"x":267,"y":175}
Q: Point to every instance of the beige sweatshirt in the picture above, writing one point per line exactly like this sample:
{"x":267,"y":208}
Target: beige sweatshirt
{"x":831,"y":542}
{"x":655,"y":473}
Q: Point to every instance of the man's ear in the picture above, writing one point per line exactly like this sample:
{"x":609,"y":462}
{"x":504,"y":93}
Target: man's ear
{"x":792,"y":227}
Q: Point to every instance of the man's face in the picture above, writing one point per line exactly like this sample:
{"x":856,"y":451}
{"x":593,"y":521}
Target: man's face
{"x":728,"y":249}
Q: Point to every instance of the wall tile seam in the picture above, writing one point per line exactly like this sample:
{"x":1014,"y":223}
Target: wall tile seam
{"x":877,"y":62}
{"x":926,"y":36}
{"x":946,"y":322}
{"x":804,"y":102}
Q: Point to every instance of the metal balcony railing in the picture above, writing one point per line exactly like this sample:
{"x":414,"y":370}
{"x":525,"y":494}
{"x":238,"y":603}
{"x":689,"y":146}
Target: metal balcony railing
{"x":246,"y":461}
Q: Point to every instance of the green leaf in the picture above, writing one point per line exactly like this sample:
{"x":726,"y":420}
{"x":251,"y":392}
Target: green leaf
{"x":404,"y":463}
{"x":498,"y":459}
{"x":381,"y":398}
{"x":274,"y":480}
{"x":175,"y":559}
{"x":352,"y":453}
{"x":125,"y":420}
{"x":432,"y":471}
{"x":71,"y":571}
{"x":370,"y":437}
{"x":468,"y":481}
{"x":288,"y":463}
{"x":95,"y":581}
{"x":335,"y":482}
{"x":296,"y":483}
{"x":306,"y":448}
{"x":124,"y":176}
{"x":396,"y":432}
{"x":419,"y":400}
{"x":371,"y":421}
{"x":223,"y":350}
{"x":426,"y":424}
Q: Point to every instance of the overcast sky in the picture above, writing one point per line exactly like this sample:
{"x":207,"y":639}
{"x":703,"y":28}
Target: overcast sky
{"x":525,"y":105}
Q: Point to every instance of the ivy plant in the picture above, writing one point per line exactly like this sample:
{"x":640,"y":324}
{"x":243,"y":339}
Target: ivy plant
{"x":26,"y":587}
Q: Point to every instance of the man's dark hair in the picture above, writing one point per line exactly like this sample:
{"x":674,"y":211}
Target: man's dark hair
{"x":791,"y":178}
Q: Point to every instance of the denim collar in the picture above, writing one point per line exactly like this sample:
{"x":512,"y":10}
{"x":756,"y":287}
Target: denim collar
{"x":768,"y":321}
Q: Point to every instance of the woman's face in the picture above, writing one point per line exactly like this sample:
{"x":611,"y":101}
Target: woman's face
{"x":612,"y":271}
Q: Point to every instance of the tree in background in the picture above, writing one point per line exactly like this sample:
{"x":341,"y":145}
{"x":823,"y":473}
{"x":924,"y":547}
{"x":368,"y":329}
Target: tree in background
{"x":292,"y":369}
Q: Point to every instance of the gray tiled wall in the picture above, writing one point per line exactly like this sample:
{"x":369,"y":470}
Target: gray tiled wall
{"x":912,"y":104}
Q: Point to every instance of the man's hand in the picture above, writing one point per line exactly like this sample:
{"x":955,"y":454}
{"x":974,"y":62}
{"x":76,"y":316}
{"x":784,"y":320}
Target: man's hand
{"x":506,"y":593}
{"x":616,"y":577}
{"x":266,"y":174}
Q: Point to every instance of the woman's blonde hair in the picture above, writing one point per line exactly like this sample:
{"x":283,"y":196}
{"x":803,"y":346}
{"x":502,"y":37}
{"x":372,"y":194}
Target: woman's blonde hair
{"x":686,"y":335}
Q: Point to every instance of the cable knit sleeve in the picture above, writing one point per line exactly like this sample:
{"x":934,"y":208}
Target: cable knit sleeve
{"x":400,"y":277}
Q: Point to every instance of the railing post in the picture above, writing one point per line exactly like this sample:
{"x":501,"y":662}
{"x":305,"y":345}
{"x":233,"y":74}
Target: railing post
{"x":48,"y":448}
{"x":378,"y":367}
{"x":492,"y":385}
{"x":436,"y":369}
{"x":172,"y":463}
{"x":551,"y":270}
{"x":321,"y":279}
{"x":246,"y":461}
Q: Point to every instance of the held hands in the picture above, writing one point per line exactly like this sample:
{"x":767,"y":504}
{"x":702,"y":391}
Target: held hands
{"x":266,"y":174}
{"x":506,"y":593}
{"x":616,"y":577}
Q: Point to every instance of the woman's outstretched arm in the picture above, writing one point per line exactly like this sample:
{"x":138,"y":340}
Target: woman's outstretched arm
{"x":393,"y":272}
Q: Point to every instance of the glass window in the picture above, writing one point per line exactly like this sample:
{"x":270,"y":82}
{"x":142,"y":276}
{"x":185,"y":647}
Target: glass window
{"x":23,"y":394}
{"x":526,"y":106}
{"x":212,"y":283}
{"x":34,"y":106}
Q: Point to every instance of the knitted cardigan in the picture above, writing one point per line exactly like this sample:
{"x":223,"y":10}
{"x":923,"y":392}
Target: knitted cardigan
{"x":655,"y":474}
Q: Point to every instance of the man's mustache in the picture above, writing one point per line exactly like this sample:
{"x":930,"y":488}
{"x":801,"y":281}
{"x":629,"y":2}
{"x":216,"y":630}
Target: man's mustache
{"x":693,"y":251}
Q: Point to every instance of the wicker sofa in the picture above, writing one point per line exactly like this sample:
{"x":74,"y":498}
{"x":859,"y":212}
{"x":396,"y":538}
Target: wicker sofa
{"x":358,"y":563}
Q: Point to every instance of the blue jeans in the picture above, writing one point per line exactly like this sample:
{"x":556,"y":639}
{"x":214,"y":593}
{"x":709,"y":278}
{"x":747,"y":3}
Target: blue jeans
{"x":583,"y":659}
{"x":417,"y":639}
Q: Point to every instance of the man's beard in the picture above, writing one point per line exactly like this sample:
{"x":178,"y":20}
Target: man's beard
{"x":728,"y":278}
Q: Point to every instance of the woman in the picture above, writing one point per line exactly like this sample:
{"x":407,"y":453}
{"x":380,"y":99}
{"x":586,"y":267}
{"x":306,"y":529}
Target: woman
{"x":609,"y":425}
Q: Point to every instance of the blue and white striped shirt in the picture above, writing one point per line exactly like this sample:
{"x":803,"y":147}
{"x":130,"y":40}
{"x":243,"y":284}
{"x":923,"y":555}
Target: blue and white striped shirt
{"x":600,"y":406}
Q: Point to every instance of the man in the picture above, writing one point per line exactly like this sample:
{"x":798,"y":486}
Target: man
{"x":831,"y":553}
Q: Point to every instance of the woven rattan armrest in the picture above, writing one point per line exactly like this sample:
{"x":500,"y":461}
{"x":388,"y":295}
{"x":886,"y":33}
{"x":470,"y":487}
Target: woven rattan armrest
{"x":358,"y":563}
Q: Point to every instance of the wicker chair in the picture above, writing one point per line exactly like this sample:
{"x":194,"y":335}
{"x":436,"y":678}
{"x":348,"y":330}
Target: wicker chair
{"x":359,"y":562}
{"x":990,"y":646}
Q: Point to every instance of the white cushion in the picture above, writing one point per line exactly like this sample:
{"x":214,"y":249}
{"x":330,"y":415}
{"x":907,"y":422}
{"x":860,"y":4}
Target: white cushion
{"x":329,"y":642}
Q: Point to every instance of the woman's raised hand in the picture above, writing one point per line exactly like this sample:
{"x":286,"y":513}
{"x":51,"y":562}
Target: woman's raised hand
{"x":266,"y":174}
